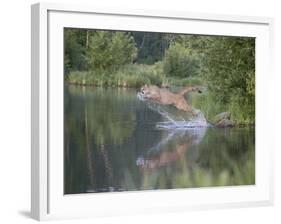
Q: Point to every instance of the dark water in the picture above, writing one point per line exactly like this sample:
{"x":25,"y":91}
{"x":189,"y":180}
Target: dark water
{"x":111,"y":143}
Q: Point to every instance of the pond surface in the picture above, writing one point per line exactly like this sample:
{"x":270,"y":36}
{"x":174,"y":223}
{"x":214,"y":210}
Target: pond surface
{"x":112,"y":143}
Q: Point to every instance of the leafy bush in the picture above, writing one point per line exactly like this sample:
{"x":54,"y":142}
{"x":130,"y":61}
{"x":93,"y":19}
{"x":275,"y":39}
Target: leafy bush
{"x":110,"y":50}
{"x":226,"y":65}
{"x":180,"y":62}
{"x":230,"y":63}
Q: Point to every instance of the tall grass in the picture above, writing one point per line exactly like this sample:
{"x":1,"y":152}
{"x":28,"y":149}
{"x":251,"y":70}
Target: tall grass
{"x":136,"y":75}
{"x":208,"y":103}
{"x":132,"y":75}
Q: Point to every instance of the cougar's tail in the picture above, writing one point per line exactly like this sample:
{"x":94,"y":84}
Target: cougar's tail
{"x":190,"y":89}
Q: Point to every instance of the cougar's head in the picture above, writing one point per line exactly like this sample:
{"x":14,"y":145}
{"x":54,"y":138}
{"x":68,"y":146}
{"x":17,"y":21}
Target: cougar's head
{"x":144,"y":90}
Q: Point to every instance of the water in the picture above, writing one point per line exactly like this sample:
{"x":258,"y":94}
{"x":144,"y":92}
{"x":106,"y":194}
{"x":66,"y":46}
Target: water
{"x":174,"y":118}
{"x":115,"y":142}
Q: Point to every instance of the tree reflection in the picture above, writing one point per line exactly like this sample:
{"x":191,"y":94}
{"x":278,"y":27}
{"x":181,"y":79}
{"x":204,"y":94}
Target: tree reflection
{"x":218,"y":161}
{"x":111,"y":143}
{"x":92,"y":119}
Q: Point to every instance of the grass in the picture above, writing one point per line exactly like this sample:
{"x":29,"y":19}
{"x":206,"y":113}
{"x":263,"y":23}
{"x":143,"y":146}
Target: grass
{"x":136,"y":75}
{"x":132,"y":75}
{"x":207,"y":103}
{"x":241,"y":114}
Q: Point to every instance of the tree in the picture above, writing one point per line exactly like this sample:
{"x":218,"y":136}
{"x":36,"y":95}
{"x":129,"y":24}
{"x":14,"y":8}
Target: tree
{"x":74,"y":41}
{"x":151,"y":46}
{"x":230,"y":63}
{"x":109,"y":50}
{"x":231,"y":66}
{"x":180,"y":62}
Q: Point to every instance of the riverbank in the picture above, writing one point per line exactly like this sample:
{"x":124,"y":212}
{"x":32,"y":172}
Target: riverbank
{"x":206,"y":102}
{"x":132,"y":75}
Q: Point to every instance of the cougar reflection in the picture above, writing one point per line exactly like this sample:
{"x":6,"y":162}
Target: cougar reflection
{"x":172,"y":148}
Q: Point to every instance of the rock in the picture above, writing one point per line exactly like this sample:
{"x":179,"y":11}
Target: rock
{"x":163,"y":85}
{"x":223,"y":120}
{"x":224,"y":123}
{"x":221,"y":116}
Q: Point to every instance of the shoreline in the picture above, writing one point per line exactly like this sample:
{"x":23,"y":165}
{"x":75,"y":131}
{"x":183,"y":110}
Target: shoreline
{"x":235,"y":125}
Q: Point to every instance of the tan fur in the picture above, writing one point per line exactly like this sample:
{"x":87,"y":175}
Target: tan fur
{"x":166,"y":97}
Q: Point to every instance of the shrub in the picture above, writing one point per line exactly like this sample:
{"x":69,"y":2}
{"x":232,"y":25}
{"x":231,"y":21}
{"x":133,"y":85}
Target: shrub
{"x":110,"y":50}
{"x":180,"y":62}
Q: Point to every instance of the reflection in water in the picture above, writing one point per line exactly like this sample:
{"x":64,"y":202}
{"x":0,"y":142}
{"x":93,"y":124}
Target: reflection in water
{"x":112,"y":143}
{"x":171,"y":148}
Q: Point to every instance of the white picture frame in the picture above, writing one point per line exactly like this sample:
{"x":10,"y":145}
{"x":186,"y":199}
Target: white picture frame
{"x":47,"y":199}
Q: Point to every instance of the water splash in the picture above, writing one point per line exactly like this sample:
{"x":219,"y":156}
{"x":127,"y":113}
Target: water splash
{"x":140,"y":96}
{"x":174,"y":118}
{"x":197,"y":122}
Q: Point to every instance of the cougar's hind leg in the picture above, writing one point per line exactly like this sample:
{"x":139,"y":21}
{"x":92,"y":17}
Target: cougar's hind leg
{"x":186,"y":108}
{"x":183,"y":107}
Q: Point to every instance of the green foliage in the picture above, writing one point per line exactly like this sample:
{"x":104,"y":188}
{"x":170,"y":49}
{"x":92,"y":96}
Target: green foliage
{"x":131,"y":75}
{"x":110,"y":50}
{"x":139,"y":74}
{"x":242,"y":111}
{"x":230,"y":63}
{"x":151,"y":46}
{"x":226,"y":65}
{"x":180,"y":62}
{"x":74,"y":58}
{"x":208,"y":104}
